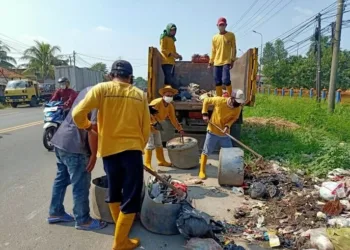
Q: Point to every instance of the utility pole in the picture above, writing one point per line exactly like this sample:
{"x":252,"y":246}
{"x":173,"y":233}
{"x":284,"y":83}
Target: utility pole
{"x":74,"y":58}
{"x":335,"y":56}
{"x":318,"y":73}
{"x":70,"y":60}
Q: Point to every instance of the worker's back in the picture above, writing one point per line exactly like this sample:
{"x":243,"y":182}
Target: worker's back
{"x":123,"y":117}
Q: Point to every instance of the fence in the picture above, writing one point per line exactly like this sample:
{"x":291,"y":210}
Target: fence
{"x":340,"y":96}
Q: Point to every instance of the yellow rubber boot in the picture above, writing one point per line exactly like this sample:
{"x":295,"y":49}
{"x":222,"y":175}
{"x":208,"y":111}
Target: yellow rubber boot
{"x":161,"y":158}
{"x":115,"y":210}
{"x":148,"y":159}
{"x":229,"y":90}
{"x":121,"y":235}
{"x":203,"y":164}
{"x":218,"y":90}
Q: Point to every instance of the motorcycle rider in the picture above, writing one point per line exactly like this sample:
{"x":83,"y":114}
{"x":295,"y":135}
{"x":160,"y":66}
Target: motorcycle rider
{"x":64,"y":94}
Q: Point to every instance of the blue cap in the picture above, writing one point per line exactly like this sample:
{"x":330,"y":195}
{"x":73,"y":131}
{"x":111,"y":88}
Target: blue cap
{"x":122,"y":67}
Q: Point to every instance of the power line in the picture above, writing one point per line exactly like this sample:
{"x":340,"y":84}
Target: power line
{"x":245,"y":13}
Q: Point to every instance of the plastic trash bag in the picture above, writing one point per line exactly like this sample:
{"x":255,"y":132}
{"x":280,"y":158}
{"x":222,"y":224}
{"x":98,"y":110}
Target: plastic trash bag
{"x":192,"y":224}
{"x":257,"y":190}
{"x":330,"y":189}
{"x":202,"y":244}
{"x":319,"y":239}
{"x":340,"y":238}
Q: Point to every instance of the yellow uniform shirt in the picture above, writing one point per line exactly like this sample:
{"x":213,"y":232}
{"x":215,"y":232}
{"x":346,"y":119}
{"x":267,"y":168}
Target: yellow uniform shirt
{"x":223,"y":49}
{"x":167,"y":46}
{"x":163,"y":113}
{"x":222,"y":115}
{"x":123,"y":117}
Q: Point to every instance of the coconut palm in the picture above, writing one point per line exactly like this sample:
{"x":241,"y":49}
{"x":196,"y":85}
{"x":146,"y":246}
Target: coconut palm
{"x":5,"y":60}
{"x":41,"y":59}
{"x":100,"y":66}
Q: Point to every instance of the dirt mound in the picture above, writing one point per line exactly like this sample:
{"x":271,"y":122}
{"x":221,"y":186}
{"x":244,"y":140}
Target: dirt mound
{"x":276,"y":122}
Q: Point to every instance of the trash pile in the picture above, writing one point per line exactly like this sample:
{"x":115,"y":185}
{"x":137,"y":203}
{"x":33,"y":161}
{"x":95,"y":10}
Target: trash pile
{"x":193,"y":92}
{"x":160,"y":193}
{"x":294,"y":211}
{"x":196,"y":58}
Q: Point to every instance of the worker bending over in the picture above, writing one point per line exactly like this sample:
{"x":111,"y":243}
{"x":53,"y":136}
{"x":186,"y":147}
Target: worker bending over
{"x":226,"y":111}
{"x":161,"y":108}
{"x":123,"y":130}
{"x":169,"y":54}
{"x":223,"y":56}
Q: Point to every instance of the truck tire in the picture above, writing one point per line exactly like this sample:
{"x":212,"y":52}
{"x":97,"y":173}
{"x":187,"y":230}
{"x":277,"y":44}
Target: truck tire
{"x":33,"y":102}
{"x":14,"y":104}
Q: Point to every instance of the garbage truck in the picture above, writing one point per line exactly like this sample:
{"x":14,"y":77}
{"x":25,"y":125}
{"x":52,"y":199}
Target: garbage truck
{"x":188,"y":112}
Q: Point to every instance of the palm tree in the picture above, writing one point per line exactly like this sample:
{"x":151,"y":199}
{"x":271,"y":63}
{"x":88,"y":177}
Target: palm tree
{"x":5,"y":60}
{"x":41,"y":59}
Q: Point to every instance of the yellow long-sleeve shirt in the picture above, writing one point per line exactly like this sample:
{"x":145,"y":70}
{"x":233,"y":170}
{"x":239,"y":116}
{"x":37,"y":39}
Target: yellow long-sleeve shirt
{"x":123,"y":117}
{"x":223,"y":49}
{"x":222,"y":115}
{"x":163,"y":113}
{"x":167,"y":46}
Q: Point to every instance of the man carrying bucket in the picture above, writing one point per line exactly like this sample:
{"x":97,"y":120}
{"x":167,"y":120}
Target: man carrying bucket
{"x":161,"y":108}
{"x":226,"y":111}
{"x":123,"y":129}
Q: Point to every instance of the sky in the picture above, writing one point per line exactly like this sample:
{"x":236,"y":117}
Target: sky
{"x":105,"y":30}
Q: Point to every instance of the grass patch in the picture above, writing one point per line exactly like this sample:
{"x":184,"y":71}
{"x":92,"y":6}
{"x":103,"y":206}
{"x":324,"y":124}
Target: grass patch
{"x":2,"y":106}
{"x":318,"y":142}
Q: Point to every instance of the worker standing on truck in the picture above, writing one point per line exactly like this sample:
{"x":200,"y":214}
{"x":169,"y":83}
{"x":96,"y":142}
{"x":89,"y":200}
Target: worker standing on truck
{"x":226,"y":111}
{"x":64,"y":93}
{"x":160,"y":109}
{"x":123,"y":130}
{"x":223,"y":56}
{"x":169,"y":54}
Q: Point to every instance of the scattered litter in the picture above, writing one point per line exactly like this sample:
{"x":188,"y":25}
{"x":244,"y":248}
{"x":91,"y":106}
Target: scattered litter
{"x":333,"y":208}
{"x":339,"y":222}
{"x":238,"y":191}
{"x":321,"y":215}
{"x":330,"y":189}
{"x":273,"y":239}
{"x":318,"y":239}
{"x":340,"y":237}
{"x":194,"y":182}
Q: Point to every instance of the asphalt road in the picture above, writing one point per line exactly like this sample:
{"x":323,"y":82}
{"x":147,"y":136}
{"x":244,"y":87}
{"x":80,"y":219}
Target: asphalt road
{"x":27,"y":172}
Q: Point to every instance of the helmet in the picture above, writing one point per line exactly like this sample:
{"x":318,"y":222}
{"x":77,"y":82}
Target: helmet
{"x":63,"y":80}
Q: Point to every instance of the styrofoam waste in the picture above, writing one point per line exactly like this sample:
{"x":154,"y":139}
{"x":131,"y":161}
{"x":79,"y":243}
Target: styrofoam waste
{"x":346,"y":204}
{"x":330,"y":189}
{"x":339,"y":222}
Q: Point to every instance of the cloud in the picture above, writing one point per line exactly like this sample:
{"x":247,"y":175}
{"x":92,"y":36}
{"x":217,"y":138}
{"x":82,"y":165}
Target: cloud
{"x":304,"y":11}
{"x":32,"y":38}
{"x":103,"y":29}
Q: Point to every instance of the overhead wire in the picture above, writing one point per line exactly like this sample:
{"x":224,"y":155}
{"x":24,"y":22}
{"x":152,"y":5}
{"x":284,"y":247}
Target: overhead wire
{"x":251,"y":7}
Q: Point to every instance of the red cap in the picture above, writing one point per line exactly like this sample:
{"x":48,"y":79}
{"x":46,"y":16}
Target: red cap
{"x":222,"y":20}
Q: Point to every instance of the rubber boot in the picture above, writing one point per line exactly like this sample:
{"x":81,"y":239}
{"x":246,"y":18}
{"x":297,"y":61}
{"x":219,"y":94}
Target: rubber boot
{"x":218,"y":90}
{"x":121,"y":235}
{"x":161,"y":159}
{"x":115,"y":210}
{"x":229,"y":90}
{"x":203,"y":164}
{"x":148,"y":159}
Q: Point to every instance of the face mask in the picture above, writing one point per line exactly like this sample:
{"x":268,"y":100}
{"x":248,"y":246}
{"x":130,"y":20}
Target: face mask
{"x":168,"y":99}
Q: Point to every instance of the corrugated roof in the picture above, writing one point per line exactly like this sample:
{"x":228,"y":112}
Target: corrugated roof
{"x":9,"y":74}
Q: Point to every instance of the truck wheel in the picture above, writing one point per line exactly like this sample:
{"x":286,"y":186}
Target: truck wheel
{"x":14,"y":105}
{"x":47,"y":136}
{"x":33,"y":102}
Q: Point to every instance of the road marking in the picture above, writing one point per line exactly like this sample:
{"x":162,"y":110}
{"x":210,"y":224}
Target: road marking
{"x":5,"y":130}
{"x":10,"y":113}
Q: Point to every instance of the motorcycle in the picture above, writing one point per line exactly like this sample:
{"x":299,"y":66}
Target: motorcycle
{"x":53,"y":117}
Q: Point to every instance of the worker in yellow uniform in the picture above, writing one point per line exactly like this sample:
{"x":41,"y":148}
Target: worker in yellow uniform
{"x":169,"y":54}
{"x":123,"y":131}
{"x":161,"y":108}
{"x":226,"y":111}
{"x":223,"y":56}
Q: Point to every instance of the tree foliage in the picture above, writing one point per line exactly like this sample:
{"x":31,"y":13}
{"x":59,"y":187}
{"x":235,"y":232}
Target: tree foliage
{"x":140,"y":83}
{"x":100,"y":66}
{"x":283,"y":70}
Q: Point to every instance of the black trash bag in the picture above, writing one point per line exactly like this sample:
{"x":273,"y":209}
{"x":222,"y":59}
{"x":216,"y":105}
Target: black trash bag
{"x":257,"y":190}
{"x":102,"y":182}
{"x":191,"y":224}
{"x":233,"y":247}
